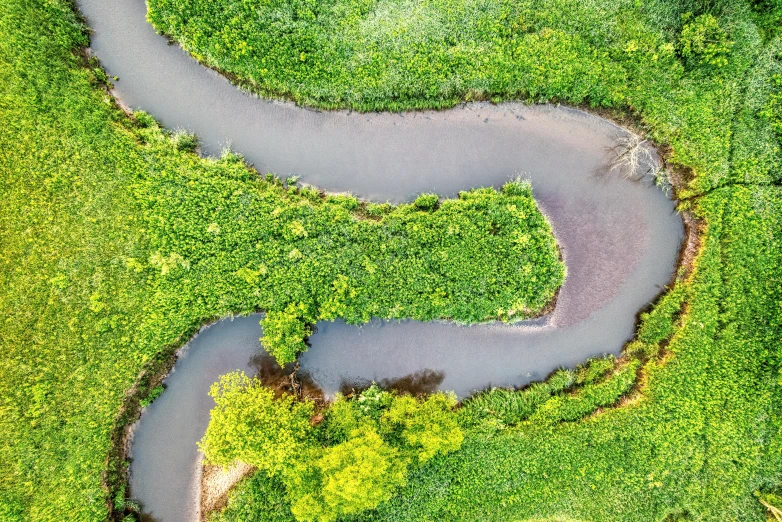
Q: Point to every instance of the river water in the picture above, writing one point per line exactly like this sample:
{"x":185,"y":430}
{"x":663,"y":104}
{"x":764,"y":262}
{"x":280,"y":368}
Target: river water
{"x":619,"y":238}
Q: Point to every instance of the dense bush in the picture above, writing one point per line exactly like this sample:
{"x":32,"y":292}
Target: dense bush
{"x":366,"y":444}
{"x":249,"y":425}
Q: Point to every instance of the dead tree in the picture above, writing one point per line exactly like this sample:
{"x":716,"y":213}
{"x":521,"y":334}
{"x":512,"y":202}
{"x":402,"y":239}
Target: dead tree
{"x":633,"y":156}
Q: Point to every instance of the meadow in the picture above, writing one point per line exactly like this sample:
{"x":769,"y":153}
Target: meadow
{"x":112,"y":253}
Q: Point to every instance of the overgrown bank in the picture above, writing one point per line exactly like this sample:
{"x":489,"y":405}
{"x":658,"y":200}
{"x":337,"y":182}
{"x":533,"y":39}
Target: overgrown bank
{"x":698,"y":74}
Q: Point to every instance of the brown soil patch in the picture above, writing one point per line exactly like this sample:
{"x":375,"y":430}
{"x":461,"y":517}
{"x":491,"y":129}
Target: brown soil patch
{"x":216,"y":483}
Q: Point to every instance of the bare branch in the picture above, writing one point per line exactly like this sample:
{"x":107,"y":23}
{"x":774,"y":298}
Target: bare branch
{"x":634,"y":158}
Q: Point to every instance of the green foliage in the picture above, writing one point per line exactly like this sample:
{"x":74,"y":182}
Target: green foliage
{"x":368,"y":442}
{"x":564,"y":396}
{"x":249,"y":425}
{"x":426,"y":202}
{"x":594,"y":369}
{"x":704,"y":41}
{"x":593,"y":395}
{"x":773,"y":109}
{"x":484,"y":256}
{"x":424,"y":428}
{"x":284,"y":332}
{"x":501,"y":407}
{"x":372,"y":403}
{"x":154,"y":393}
{"x":769,"y":14}
{"x":259,"y":498}
{"x":184,"y":141}
{"x":355,"y":475}
{"x":659,"y":324}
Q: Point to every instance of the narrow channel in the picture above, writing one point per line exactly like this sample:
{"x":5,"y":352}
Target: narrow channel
{"x":619,"y":238}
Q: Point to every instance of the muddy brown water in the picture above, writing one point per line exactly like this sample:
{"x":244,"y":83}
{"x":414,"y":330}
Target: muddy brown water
{"x":619,"y":238}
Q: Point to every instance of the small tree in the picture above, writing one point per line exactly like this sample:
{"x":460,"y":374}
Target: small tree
{"x":284,"y":332}
{"x":424,"y":428}
{"x":356,"y":475}
{"x":704,"y":41}
{"x":249,"y":425}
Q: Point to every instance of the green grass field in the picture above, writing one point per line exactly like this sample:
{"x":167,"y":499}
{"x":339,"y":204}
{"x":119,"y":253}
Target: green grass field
{"x":112,"y":255}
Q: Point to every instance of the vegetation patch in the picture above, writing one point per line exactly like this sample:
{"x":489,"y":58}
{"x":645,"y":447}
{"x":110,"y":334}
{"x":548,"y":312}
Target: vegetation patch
{"x":353,"y":460}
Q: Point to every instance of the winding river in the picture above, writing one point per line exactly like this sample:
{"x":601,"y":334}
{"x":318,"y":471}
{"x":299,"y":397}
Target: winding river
{"x":619,"y":238}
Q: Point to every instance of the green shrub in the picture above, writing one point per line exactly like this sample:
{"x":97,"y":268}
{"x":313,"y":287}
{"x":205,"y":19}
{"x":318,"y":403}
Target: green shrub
{"x":144,"y":119}
{"x":185,"y":141}
{"x":351,"y":462}
{"x":424,"y":428}
{"x":249,"y":425}
{"x":517,"y":187}
{"x":426,"y":202}
{"x":284,"y":333}
{"x":702,"y":40}
{"x":154,"y":393}
{"x":772,"y":112}
{"x":355,"y":475}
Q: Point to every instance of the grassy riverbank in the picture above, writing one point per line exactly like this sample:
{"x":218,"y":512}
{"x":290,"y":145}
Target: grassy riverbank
{"x":696,"y":76}
{"x":118,"y":242}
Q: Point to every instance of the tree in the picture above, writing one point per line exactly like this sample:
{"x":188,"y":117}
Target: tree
{"x":424,"y":428}
{"x":249,"y":425}
{"x":703,"y":39}
{"x":284,"y":332}
{"x":355,"y":475}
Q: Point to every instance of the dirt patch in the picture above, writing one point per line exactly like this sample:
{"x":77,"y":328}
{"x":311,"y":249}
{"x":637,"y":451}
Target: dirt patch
{"x":216,"y":483}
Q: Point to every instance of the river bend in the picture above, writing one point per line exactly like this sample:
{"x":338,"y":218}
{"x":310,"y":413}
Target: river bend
{"x":619,"y":238}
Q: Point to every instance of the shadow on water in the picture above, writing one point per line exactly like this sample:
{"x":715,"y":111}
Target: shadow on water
{"x":146,"y":517}
{"x":419,"y":383}
{"x":288,"y":379}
